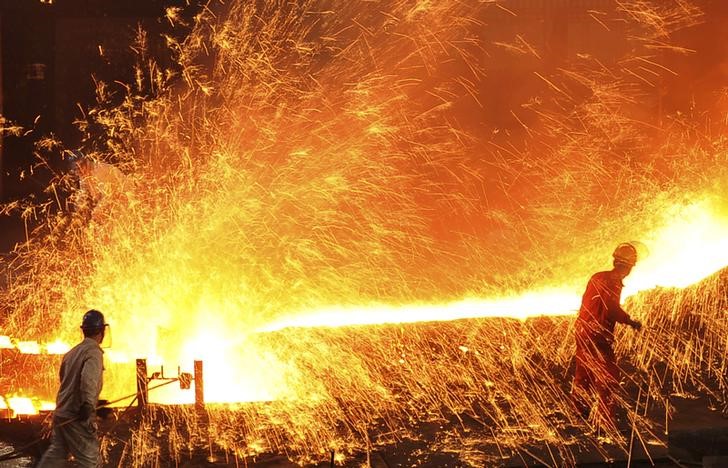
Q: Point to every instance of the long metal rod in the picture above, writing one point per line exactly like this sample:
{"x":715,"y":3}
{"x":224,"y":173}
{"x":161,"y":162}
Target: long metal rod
{"x":199,"y":387}
{"x":142,"y":383}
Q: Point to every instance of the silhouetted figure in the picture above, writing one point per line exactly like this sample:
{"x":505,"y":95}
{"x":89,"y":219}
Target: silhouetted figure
{"x":596,"y":366}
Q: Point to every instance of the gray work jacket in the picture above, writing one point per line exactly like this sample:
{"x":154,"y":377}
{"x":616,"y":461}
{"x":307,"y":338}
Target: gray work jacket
{"x":81,"y":379}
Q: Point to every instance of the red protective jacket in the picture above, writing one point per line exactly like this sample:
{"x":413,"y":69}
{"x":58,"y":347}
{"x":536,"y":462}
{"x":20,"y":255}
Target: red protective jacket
{"x":601,"y":310}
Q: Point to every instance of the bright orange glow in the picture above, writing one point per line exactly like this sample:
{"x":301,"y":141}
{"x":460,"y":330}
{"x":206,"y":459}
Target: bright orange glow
{"x":521,"y":306}
{"x":57,"y":347}
{"x":692,"y":245}
{"x":29,"y":347}
{"x":25,"y":405}
{"x":47,"y":406}
{"x":113,"y":355}
{"x":34,"y":347}
{"x":255,"y":376}
{"x":21,"y":405}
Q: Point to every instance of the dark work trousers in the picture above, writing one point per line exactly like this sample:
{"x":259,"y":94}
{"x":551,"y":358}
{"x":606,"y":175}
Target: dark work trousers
{"x":78,"y":438}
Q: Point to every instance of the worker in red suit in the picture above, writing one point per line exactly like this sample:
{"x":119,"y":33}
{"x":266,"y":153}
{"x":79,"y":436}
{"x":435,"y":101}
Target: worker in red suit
{"x":596,"y":366}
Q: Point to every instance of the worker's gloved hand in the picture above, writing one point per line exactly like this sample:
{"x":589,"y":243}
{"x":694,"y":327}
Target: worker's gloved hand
{"x":102,"y":411}
{"x":87,"y":416}
{"x":86,"y":412}
{"x":636,"y":324}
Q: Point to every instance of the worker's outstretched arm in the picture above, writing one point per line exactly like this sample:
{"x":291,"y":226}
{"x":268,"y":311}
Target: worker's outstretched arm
{"x":617,"y":313}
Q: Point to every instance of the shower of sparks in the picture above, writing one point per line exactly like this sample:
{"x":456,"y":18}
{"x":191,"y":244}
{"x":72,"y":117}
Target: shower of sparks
{"x":311,"y":176}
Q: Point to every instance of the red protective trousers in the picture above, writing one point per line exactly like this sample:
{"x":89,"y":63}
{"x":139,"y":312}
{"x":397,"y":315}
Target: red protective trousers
{"x":596,"y":366}
{"x":597,"y":373}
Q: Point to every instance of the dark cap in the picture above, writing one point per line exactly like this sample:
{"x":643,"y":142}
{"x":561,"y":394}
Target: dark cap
{"x":93,"y":320}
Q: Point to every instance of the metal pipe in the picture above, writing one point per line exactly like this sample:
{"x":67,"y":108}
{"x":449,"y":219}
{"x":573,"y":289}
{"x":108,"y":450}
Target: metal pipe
{"x":142,"y":383}
{"x":199,"y":387}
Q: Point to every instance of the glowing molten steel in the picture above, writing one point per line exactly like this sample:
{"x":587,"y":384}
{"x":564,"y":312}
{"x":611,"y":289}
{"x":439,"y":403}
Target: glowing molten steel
{"x":20,"y":406}
{"x":692,"y":245}
{"x":5,"y":342}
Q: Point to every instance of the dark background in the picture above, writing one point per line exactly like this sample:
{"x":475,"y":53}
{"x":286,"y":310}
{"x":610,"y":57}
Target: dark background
{"x":51,"y":56}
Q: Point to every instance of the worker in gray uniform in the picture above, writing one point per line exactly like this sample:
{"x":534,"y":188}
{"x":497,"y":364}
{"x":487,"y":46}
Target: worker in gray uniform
{"x":74,"y":420}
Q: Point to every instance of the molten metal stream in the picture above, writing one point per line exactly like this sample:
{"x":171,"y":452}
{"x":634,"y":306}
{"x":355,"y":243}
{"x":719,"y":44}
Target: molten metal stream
{"x":692,"y":246}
